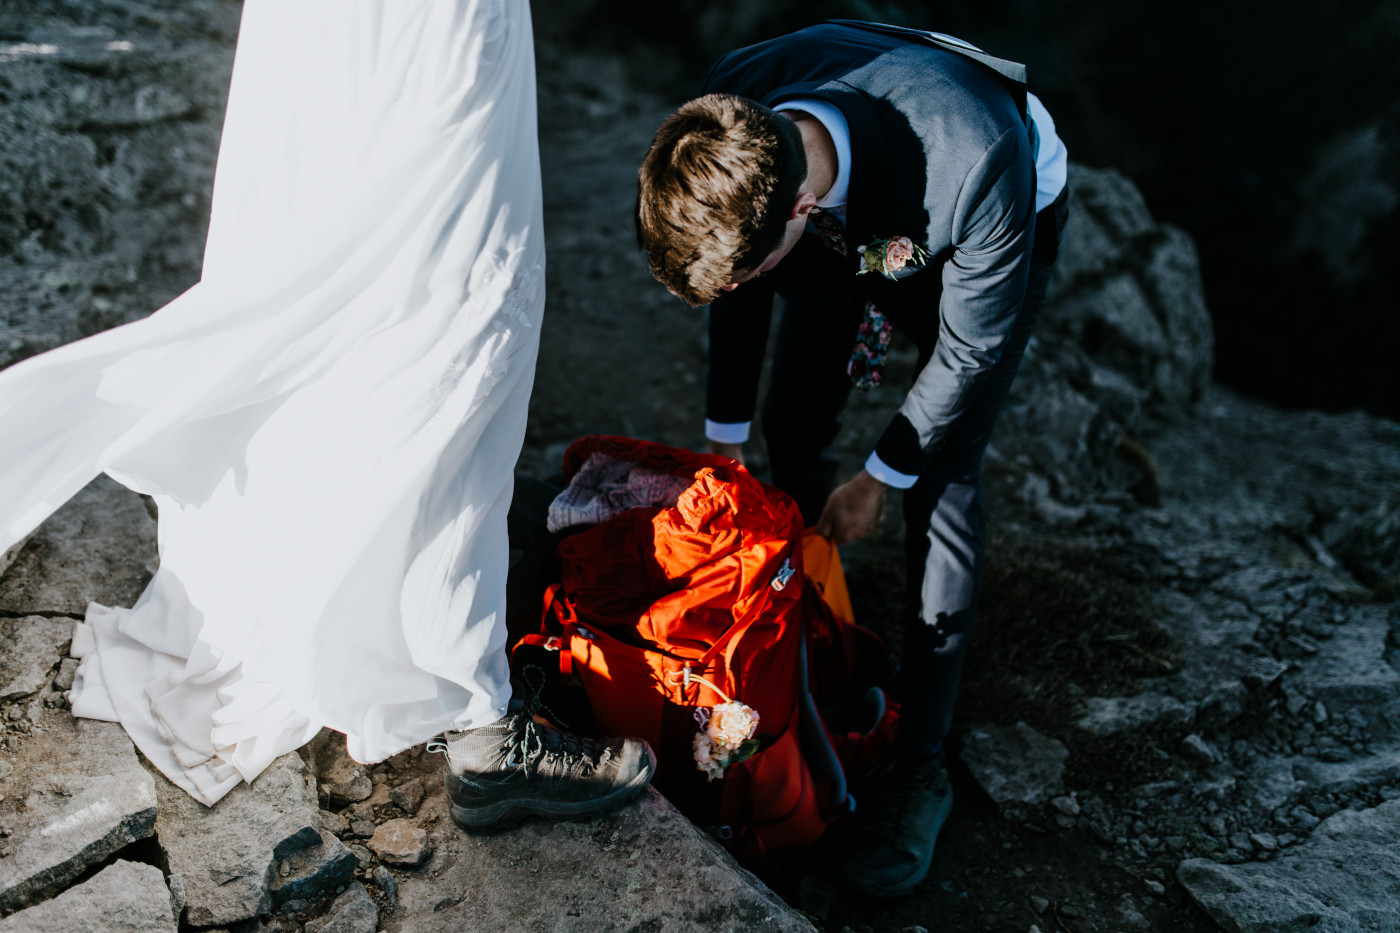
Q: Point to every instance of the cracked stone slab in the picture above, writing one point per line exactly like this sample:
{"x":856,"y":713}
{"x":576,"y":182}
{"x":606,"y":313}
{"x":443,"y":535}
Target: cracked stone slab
{"x":227,"y":855}
{"x":1345,"y":778}
{"x":1344,"y":879}
{"x":642,"y":867}
{"x":1015,"y":765}
{"x":77,"y":795}
{"x":30,"y":647}
{"x":125,"y":897}
{"x":1350,"y":671}
{"x":99,"y":547}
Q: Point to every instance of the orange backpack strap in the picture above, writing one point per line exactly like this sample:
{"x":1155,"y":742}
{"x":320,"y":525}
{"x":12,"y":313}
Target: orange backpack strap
{"x":755,"y":610}
{"x":822,"y":564}
{"x":558,"y":604}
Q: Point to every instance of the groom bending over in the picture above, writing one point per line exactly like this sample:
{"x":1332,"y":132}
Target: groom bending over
{"x":875,"y":178}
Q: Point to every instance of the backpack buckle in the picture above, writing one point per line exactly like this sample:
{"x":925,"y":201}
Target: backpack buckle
{"x":783,"y":575}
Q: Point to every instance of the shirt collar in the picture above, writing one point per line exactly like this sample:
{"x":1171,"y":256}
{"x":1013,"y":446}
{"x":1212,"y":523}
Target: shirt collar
{"x":830,"y":118}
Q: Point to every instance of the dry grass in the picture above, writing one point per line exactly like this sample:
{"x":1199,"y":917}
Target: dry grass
{"x":1058,"y":622}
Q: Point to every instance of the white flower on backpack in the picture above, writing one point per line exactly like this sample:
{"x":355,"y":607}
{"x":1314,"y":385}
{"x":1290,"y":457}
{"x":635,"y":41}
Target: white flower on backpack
{"x":725,"y":737}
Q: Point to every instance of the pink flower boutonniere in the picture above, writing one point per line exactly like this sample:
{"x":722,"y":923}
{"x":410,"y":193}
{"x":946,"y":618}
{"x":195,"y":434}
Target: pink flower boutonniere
{"x":889,"y":257}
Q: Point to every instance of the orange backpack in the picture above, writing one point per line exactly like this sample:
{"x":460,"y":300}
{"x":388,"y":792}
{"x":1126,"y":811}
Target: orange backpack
{"x":665,"y":610}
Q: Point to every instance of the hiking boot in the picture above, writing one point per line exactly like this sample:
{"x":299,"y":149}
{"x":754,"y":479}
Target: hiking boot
{"x":517,"y":766}
{"x":910,"y":798}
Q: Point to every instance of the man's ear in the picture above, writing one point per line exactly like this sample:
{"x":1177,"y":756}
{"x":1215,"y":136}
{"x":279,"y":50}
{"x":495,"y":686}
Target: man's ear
{"x":803,"y":206}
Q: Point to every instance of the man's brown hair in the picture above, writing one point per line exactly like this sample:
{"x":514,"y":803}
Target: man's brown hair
{"x":714,"y":192}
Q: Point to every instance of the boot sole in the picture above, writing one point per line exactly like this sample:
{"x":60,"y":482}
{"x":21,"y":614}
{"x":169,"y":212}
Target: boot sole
{"x":507,"y":814}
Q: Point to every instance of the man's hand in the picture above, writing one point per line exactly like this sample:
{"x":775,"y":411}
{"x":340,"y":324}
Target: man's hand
{"x":853,"y":510}
{"x":735,"y":451}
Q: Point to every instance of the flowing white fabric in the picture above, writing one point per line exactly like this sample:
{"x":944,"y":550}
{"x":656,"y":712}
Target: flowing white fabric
{"x":329,"y":420}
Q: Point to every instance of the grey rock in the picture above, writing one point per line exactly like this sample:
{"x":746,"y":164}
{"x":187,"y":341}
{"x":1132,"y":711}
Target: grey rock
{"x":1346,"y":778}
{"x":67,"y":671}
{"x":1266,"y":842}
{"x":81,"y":797}
{"x":399,"y":842}
{"x":30,"y":646}
{"x":1261,"y":672}
{"x":332,"y":822}
{"x":228,"y":854}
{"x":1222,"y":705}
{"x":1199,"y":750}
{"x":1068,"y":439}
{"x":354,"y":911}
{"x":1351,"y":673}
{"x":342,"y":780}
{"x":125,"y":897}
{"x":1303,"y":820}
{"x":641,"y":867}
{"x":1109,"y":715}
{"x":1347,"y":191}
{"x":1274,"y":781}
{"x":1130,"y":915}
{"x":1015,"y":765}
{"x":1130,"y":290}
{"x":1119,"y":214}
{"x":99,"y":547}
{"x":365,"y":856}
{"x":1344,"y":878}
{"x":114,"y":230}
{"x":314,"y":871}
{"x":177,"y":893}
{"x":408,"y":796}
{"x":385,"y":881}
{"x":1368,"y":542}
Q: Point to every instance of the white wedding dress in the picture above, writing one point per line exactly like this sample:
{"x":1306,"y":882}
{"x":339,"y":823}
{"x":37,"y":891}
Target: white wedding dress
{"x":329,"y":420}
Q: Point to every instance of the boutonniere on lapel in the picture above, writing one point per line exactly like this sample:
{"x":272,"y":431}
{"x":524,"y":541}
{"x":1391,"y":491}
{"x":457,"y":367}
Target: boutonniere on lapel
{"x":893,"y":258}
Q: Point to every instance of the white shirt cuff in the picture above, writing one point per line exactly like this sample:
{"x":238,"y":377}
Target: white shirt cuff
{"x":876,"y":468}
{"x":734,"y":433}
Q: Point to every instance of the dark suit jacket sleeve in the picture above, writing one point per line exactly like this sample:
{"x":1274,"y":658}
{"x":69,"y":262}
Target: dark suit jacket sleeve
{"x":984,"y":287}
{"x":739,"y":323}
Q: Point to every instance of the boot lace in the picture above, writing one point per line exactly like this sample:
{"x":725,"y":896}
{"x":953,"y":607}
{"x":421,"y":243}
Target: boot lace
{"x":542,"y":750}
{"x":539,"y":749}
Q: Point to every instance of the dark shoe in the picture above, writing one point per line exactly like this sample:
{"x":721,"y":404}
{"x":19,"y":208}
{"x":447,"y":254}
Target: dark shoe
{"x":499,"y":774}
{"x":908,"y":800}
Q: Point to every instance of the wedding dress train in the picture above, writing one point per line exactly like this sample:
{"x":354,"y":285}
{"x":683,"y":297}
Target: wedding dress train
{"x":329,"y":420}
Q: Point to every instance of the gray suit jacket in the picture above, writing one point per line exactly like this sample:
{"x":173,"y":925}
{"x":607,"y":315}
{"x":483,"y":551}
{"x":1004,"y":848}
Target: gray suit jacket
{"x":941,"y":153}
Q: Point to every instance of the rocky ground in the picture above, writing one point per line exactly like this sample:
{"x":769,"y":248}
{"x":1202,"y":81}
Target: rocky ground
{"x":1182,"y":709}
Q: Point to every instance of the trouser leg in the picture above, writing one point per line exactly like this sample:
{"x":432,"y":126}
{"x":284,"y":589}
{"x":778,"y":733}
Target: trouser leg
{"x":945,"y":525}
